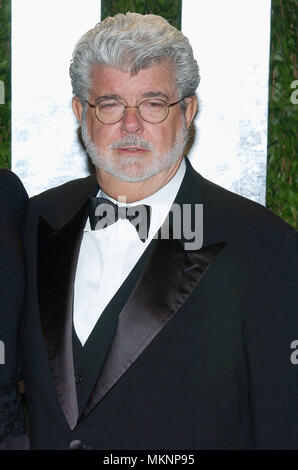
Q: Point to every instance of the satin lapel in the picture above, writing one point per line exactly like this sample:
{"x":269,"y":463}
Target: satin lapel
{"x":57,"y":259}
{"x":169,"y":277}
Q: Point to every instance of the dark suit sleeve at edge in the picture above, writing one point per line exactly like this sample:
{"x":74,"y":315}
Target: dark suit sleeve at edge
{"x":271,"y":327}
{"x":13,"y":206}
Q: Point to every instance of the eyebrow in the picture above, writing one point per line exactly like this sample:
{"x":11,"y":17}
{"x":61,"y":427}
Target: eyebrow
{"x":148,"y":94}
{"x":154,"y":94}
{"x":109,"y":97}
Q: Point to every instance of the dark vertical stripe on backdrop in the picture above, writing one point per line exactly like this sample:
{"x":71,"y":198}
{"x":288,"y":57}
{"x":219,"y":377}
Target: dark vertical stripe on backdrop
{"x":169,"y":9}
{"x":5,"y":83}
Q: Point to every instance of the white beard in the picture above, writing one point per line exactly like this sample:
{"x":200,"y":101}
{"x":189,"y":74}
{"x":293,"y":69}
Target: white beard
{"x":130,"y":168}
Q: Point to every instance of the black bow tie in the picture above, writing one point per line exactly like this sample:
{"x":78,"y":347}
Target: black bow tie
{"x":103,"y":212}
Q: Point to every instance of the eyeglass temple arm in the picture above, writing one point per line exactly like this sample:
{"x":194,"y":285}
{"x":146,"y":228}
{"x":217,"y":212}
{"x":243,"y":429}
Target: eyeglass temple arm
{"x":176,"y":102}
{"x":92,"y":105}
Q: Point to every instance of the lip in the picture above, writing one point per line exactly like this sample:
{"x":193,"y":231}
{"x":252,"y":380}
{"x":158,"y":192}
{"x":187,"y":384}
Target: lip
{"x":132,"y":149}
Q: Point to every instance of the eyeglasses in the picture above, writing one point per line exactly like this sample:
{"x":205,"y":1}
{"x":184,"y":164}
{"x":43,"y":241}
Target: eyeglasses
{"x":110,"y":111}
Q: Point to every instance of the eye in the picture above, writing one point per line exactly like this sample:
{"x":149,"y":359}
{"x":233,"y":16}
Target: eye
{"x":109,"y":104}
{"x":155,"y":104}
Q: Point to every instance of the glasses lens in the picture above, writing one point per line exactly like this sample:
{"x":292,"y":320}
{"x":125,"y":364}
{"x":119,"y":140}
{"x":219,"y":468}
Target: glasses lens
{"x":153,"y":110}
{"x":109,"y":111}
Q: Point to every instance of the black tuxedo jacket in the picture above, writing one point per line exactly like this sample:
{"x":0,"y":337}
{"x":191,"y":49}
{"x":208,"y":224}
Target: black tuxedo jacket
{"x":200,"y":358}
{"x":13,"y":203}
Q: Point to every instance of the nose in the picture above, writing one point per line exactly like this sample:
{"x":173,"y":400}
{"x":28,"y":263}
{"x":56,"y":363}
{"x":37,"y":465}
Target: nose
{"x":132,"y":122}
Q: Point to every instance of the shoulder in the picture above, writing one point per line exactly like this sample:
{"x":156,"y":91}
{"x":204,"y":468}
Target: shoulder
{"x":9,"y":182}
{"x":243,"y":217}
{"x":258,"y":242}
{"x":59,"y":202}
{"x":13,"y":195}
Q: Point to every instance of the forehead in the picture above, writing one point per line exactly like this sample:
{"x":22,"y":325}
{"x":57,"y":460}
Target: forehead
{"x":108,"y":80}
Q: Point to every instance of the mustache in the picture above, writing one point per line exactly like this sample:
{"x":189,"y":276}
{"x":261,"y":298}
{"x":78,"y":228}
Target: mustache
{"x":131,"y":141}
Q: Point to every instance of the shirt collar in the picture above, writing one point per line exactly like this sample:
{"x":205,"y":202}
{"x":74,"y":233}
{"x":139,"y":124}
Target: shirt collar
{"x":160,"y":201}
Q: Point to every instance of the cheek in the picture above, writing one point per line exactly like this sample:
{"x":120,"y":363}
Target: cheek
{"x":91,"y":128}
{"x":162,"y":135}
{"x":168,"y":134}
{"x":99,"y":136}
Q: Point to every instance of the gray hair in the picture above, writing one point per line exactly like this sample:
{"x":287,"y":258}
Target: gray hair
{"x":133,"y":42}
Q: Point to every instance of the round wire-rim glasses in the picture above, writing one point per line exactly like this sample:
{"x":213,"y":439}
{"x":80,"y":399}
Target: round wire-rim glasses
{"x":158,"y":108}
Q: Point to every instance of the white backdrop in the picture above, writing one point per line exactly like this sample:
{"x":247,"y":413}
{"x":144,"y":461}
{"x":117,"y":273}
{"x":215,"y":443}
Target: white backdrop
{"x":231,"y":43}
{"x":45,"y":148}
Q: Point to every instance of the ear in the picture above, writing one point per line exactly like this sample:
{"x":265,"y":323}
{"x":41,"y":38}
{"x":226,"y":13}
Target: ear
{"x":77,"y":108}
{"x":192,"y":107}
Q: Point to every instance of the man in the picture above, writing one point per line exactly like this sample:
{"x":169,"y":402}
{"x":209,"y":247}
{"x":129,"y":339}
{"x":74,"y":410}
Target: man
{"x":139,"y":338}
{"x":13,"y":204}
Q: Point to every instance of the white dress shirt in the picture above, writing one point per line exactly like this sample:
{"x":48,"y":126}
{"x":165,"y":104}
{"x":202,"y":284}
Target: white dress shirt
{"x":108,"y":255}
